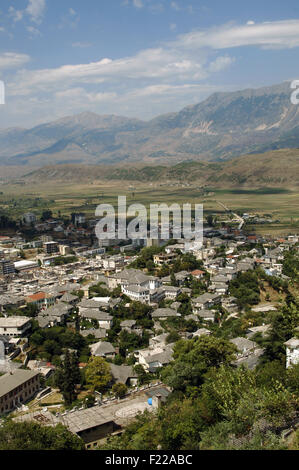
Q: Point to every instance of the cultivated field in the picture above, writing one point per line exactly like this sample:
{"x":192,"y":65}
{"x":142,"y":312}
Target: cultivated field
{"x":281,"y":204}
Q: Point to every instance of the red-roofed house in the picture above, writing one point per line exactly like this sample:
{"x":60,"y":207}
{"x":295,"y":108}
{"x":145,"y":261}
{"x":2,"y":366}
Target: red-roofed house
{"x":198,"y":273}
{"x":41,"y":300}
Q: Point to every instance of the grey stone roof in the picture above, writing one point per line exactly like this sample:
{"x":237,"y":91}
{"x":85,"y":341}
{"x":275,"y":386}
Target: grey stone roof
{"x":170,"y":289}
{"x":206,"y":297}
{"x":258,"y":329}
{"x":97,"y":315}
{"x":219,"y":278}
{"x":102,"y":348}
{"x":206,"y":314}
{"x":250,"y":361}
{"x":57,"y":310}
{"x":9,"y":299}
{"x":164,"y":357}
{"x":136,"y":289}
{"x":89,"y":303}
{"x":132,"y":276}
{"x":97,"y":333}
{"x":45,"y":320}
{"x":243,"y":343}
{"x":67,"y":297}
{"x":293,"y":343}
{"x":164,"y":312}
{"x":128,"y":323}
{"x":192,"y":317}
{"x":9,"y":382}
{"x":202,"y":332}
{"x":122,"y":373}
{"x":176,"y":305}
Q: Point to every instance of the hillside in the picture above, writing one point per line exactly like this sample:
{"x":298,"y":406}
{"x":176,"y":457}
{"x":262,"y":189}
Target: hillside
{"x":223,"y":126}
{"x":273,"y":169}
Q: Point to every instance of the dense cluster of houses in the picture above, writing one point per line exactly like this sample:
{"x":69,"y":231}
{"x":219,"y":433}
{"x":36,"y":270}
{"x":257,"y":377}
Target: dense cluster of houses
{"x":53,"y":290}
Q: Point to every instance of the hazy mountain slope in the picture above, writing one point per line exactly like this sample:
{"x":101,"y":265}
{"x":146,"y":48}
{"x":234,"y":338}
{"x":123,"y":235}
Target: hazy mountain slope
{"x":222,"y":126}
{"x":274,"y":169}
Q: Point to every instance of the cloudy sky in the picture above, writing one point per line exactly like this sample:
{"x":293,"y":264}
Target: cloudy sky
{"x":138,"y":58}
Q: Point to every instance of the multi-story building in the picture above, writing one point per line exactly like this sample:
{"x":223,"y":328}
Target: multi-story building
{"x":64,"y":250}
{"x":292,"y":352}
{"x":14,"y":326}
{"x":41,"y":300}
{"x":79,"y":219}
{"x":16,"y":388}
{"x":6,"y":267}
{"x":51,"y":247}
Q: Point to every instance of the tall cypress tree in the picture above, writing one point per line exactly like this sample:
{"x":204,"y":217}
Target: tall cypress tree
{"x":68,"y":376}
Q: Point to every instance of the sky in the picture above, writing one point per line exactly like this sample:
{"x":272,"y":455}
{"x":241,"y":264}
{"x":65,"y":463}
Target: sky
{"x":138,"y":58}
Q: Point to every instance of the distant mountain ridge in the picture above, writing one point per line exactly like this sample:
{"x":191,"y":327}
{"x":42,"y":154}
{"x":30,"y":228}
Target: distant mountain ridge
{"x":222,"y":126}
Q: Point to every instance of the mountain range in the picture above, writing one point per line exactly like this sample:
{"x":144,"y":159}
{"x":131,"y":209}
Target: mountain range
{"x":223,"y":126}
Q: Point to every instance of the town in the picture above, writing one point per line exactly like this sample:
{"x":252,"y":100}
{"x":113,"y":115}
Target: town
{"x":89,"y":328}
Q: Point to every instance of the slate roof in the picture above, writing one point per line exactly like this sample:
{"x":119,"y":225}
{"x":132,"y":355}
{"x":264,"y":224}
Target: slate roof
{"x":243,"y":343}
{"x":67,"y":297}
{"x":206,"y":314}
{"x":164,"y":312}
{"x":97,"y":315}
{"x":132,"y":276}
{"x":251,"y":361}
{"x":202,"y":332}
{"x":9,"y":382}
{"x":122,"y":373}
{"x":57,"y":310}
{"x":204,"y":298}
{"x":128,"y":323}
{"x":293,"y":343}
{"x":164,"y":357}
{"x":89,"y":303}
{"x":102,"y":348}
{"x":97,"y":333}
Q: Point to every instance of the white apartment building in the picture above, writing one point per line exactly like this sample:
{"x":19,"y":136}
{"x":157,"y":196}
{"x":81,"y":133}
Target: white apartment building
{"x":14,"y":326}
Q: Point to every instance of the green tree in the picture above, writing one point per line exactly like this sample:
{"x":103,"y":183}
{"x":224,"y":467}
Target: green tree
{"x":47,"y":214}
{"x":193,"y":358}
{"x":283,"y":326}
{"x":119,"y":390}
{"x":67,"y":377}
{"x":97,"y":374}
{"x":33,"y":436}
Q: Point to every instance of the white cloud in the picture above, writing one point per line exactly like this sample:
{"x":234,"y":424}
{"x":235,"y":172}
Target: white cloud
{"x":148,"y":64}
{"x":16,"y":15}
{"x":163,"y":89}
{"x":81,"y":95}
{"x":172,"y":27}
{"x":69,"y":20}
{"x":221,"y":63}
{"x":33,"y":31}
{"x":283,"y":34}
{"x":147,"y":83}
{"x":9,"y":60}
{"x":185,"y":59}
{"x":175,"y":6}
{"x":138,"y":3}
{"x":81,"y":45}
{"x":36,"y":10}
